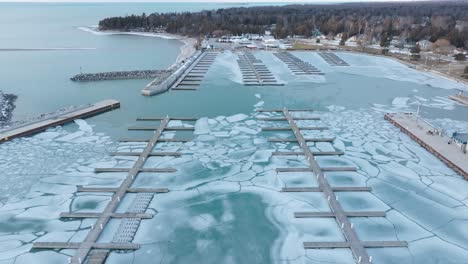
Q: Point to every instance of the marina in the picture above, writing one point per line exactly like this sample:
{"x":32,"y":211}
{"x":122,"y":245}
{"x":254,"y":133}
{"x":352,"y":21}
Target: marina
{"x":277,"y":156}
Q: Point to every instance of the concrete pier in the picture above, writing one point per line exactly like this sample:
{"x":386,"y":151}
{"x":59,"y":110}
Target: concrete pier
{"x":35,"y":127}
{"x":422,"y":132}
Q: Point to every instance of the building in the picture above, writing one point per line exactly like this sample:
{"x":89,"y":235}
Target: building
{"x":425,"y":44}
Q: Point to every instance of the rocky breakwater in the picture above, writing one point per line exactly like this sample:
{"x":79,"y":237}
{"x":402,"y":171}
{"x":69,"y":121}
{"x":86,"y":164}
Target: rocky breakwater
{"x":117,"y":75}
{"x":7,"y":105}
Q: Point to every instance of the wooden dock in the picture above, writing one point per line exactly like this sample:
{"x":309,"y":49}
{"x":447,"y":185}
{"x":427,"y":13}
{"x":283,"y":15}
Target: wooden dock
{"x":438,"y":145}
{"x":352,"y":241}
{"x":296,"y":65}
{"x":86,"y":251}
{"x":39,"y":126}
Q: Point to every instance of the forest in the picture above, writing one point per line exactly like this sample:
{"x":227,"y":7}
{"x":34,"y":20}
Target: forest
{"x":412,"y":21}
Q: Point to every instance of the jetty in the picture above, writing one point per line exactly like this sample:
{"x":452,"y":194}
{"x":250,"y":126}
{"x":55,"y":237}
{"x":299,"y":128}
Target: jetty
{"x":59,"y":119}
{"x":254,"y":72}
{"x":92,"y":249}
{"x":332,"y":59}
{"x":432,"y":140}
{"x":192,"y":77}
{"x":296,"y":65}
{"x":352,"y":241}
{"x":116,"y":75}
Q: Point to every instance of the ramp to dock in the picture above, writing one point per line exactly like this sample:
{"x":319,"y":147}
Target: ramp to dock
{"x":423,"y":133}
{"x":352,"y":241}
{"x":59,"y":119}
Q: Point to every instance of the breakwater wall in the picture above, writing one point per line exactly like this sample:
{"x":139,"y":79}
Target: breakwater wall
{"x":164,"y":82}
{"x":117,"y":75}
{"x":7,"y":105}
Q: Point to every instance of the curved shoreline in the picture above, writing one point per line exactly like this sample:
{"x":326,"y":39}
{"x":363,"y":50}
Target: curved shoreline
{"x":186,"y":50}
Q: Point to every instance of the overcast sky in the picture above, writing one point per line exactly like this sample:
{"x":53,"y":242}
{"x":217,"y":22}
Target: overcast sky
{"x":230,"y":1}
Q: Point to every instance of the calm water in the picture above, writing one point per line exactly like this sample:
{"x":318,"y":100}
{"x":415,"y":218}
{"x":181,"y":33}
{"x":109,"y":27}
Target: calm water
{"x":224,"y":205}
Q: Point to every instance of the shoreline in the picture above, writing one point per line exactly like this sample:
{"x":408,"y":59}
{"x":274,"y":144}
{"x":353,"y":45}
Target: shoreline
{"x":186,"y":50}
{"x":414,"y":66}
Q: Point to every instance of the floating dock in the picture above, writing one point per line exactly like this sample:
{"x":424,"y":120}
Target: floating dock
{"x":254,"y":72}
{"x":423,"y":133}
{"x":60,"y":119}
{"x":332,"y":59}
{"x":352,"y":241}
{"x":91,"y":250}
{"x":194,"y":75}
{"x":296,"y":65}
{"x":460,"y":98}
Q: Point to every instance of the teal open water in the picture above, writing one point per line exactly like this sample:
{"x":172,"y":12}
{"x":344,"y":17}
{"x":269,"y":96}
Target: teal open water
{"x":225,"y":204}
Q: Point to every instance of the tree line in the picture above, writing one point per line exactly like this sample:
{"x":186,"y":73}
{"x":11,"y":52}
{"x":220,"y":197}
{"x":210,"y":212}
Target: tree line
{"x":413,"y":21}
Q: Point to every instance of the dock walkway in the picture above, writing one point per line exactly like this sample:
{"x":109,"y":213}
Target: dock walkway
{"x":254,"y":72}
{"x":462,"y":99}
{"x":357,"y":246}
{"x":194,"y":75}
{"x":332,"y":59}
{"x":60,"y":119}
{"x":86,"y":251}
{"x":417,"y":129}
{"x":296,"y":65}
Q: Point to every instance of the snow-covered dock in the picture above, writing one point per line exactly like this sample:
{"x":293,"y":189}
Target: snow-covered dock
{"x":41,"y":125}
{"x":423,"y":134}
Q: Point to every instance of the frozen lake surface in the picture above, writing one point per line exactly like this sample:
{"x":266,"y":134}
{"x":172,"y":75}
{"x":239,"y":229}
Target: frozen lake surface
{"x":225,"y":204}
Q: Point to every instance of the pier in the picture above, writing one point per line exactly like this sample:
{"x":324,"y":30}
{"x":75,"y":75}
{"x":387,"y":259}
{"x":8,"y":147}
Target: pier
{"x":332,"y":59}
{"x":60,"y":119}
{"x":194,"y":75}
{"x":92,"y":251}
{"x":254,"y":72}
{"x":296,"y":65}
{"x":423,"y":133}
{"x":352,"y":241}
